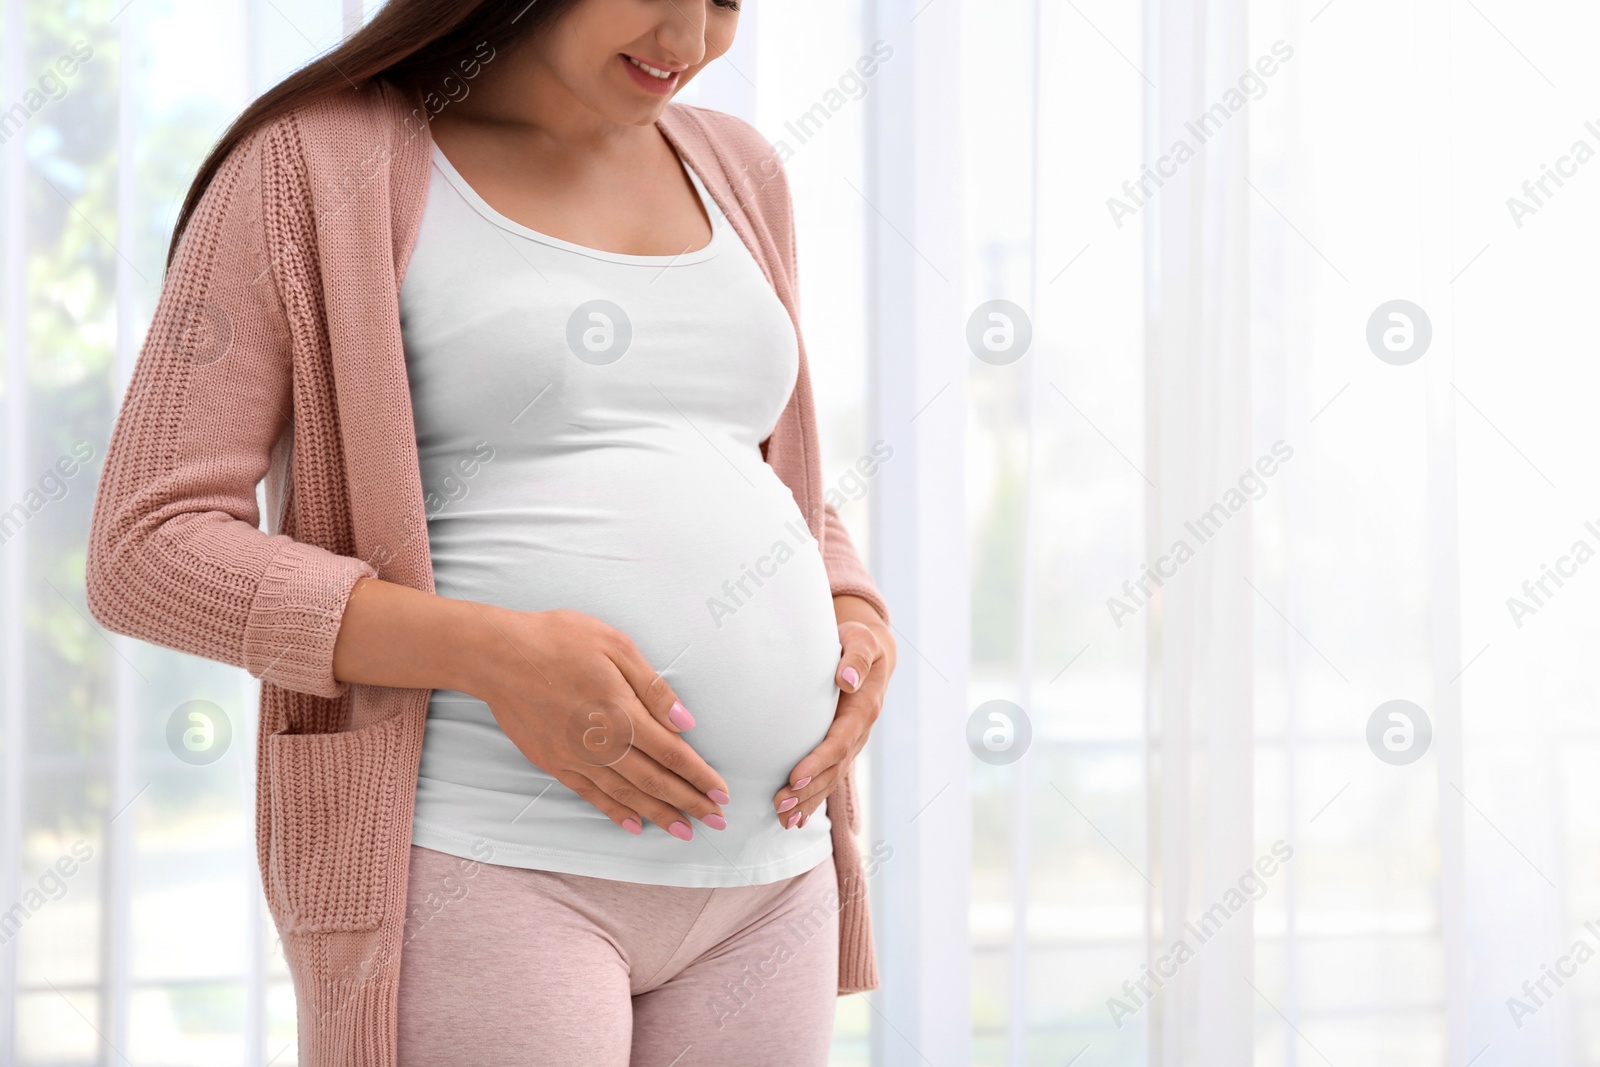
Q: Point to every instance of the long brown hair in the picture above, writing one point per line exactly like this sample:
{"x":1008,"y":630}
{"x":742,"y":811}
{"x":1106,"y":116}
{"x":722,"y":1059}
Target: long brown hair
{"x":408,"y":43}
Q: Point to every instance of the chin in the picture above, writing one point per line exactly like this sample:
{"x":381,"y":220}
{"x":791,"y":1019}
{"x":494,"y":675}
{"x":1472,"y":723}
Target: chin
{"x":629,"y":110}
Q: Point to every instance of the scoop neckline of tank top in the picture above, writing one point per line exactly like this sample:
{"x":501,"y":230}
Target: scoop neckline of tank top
{"x":483,"y":208}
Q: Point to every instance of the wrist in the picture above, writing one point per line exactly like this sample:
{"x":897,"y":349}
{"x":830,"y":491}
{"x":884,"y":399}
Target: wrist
{"x":480,"y":648}
{"x":847,"y":607}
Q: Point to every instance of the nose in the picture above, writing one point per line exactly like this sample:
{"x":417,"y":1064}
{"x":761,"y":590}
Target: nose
{"x":682,"y":32}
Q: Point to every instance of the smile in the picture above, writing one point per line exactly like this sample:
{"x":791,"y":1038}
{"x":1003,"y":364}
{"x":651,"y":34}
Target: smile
{"x":654,"y":72}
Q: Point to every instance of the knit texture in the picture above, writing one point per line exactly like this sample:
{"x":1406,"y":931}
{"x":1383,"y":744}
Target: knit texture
{"x":275,"y":354}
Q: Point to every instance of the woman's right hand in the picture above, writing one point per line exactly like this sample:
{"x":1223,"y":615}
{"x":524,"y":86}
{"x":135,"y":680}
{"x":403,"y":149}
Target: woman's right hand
{"x":574,"y":694}
{"x":581,"y":702}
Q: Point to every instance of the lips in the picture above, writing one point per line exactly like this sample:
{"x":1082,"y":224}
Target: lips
{"x":649,"y":76}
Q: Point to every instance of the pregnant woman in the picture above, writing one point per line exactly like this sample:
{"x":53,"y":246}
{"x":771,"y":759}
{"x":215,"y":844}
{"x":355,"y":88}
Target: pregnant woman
{"x":565,"y":661}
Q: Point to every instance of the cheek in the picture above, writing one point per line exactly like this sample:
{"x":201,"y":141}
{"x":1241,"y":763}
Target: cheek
{"x":578,"y":53}
{"x":719,"y":35}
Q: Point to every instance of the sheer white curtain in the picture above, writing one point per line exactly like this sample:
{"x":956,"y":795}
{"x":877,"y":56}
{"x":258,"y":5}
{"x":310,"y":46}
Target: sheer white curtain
{"x":1369,"y":515}
{"x":1200,"y":434}
{"x":1382,"y":272}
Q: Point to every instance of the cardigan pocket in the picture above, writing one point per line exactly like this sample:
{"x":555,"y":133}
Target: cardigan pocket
{"x":333,"y":827}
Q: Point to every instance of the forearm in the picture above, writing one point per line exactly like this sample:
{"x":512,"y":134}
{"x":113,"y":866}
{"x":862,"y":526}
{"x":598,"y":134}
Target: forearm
{"x":397,"y":636}
{"x":394,"y":635}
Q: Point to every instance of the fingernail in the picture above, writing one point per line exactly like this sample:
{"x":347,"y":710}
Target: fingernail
{"x":802,"y":783}
{"x":681,"y":831}
{"x":679,"y":716}
{"x":718,"y":796}
{"x":715,"y":821}
{"x":787,"y":804}
{"x":793,"y":819}
{"x":632,"y":826}
{"x":851,"y":676}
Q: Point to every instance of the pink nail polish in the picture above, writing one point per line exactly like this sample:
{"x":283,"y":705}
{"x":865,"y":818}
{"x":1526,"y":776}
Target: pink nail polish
{"x":715,"y":821}
{"x":793,"y":819}
{"x":787,"y":804}
{"x":679,"y":716}
{"x":718,"y":796}
{"x":851,"y":676}
{"x":681,"y":831}
{"x":632,"y":826}
{"x":802,"y":783}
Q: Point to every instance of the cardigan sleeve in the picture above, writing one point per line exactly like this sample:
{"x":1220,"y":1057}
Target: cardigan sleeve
{"x":846,"y":574}
{"x":175,"y":554}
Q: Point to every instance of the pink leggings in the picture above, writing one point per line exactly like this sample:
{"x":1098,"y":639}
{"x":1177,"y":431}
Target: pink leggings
{"x":504,"y":965}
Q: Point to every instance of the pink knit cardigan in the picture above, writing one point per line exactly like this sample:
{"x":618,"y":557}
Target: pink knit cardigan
{"x":275,"y":353}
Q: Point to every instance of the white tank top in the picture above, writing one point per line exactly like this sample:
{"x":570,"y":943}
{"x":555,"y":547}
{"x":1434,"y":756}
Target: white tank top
{"x":589,"y":427}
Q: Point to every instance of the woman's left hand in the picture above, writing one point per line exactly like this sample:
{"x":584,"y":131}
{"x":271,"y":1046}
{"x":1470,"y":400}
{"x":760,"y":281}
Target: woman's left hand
{"x":865,"y":663}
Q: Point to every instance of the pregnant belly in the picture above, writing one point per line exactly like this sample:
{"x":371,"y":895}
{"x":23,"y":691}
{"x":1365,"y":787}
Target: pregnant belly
{"x":724,"y":594}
